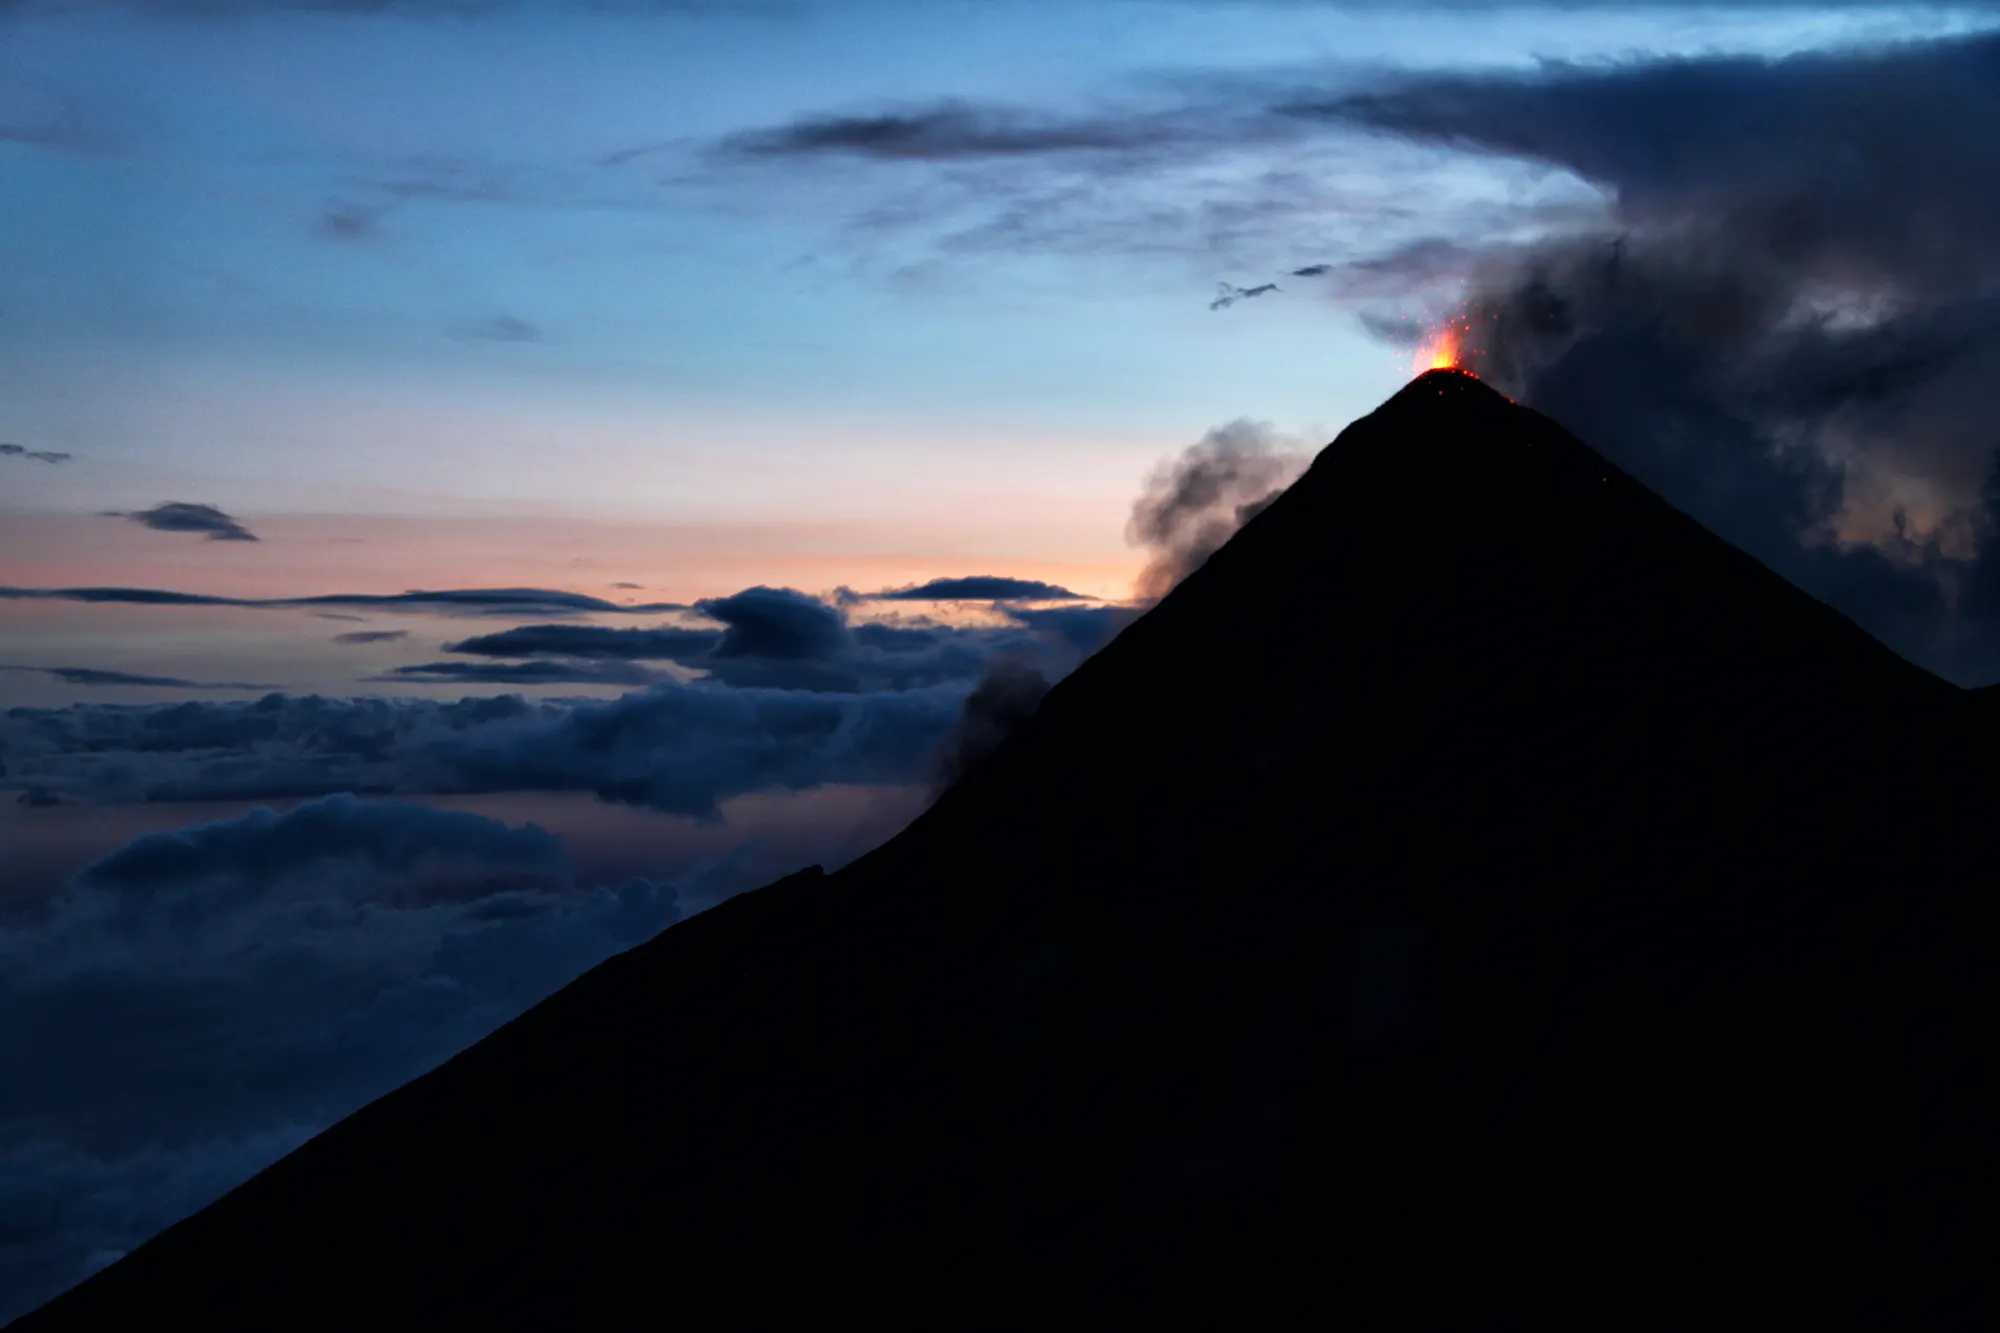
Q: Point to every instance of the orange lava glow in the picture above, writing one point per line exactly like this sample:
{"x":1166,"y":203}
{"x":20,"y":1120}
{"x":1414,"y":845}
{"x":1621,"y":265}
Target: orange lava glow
{"x":1447,"y":349}
{"x":1441,"y":353}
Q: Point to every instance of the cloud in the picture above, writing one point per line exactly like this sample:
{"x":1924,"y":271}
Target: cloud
{"x":955,"y":130}
{"x":780,"y":638}
{"x":775,"y":623}
{"x":180,"y":516}
{"x":38,"y":455}
{"x":451,"y":601}
{"x":632,"y":586}
{"x":683,"y":748}
{"x":976,"y":588}
{"x":499,"y":329}
{"x":664,"y":644}
{"x":1228,"y":295}
{"x":1788,"y":325}
{"x":1193,"y":504}
{"x":95,"y":676}
{"x":199,"y":1002}
{"x":521,"y":673}
{"x":371,"y":635}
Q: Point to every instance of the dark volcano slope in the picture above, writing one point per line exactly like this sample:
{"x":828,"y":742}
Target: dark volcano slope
{"x":1476,"y":895}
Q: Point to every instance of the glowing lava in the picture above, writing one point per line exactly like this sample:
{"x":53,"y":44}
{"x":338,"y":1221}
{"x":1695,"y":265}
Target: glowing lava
{"x":1442,"y":351}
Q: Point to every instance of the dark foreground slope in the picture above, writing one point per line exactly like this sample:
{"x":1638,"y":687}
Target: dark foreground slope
{"x":1476,"y":894}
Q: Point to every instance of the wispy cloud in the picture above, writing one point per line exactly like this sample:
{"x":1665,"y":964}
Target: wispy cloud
{"x":457,"y":601}
{"x":96,"y":676}
{"x":522,"y":673}
{"x":975,"y":588}
{"x":37,"y":455}
{"x":954,"y":131}
{"x":664,"y":644}
{"x":499,"y":329}
{"x":372,"y":636}
{"x":1228,"y":295}
{"x":181,"y":516}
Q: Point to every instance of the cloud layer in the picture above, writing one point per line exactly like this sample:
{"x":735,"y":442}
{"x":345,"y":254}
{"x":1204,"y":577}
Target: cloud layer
{"x":201,"y":1001}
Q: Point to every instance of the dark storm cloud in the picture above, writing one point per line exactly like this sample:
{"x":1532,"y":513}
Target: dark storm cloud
{"x":1194,"y":503}
{"x":451,"y":601}
{"x":664,"y":644}
{"x":372,"y":636}
{"x":199,"y":1002}
{"x":1790,"y":326}
{"x":95,"y":676}
{"x":976,"y":588}
{"x":520,"y":673}
{"x":37,"y":455}
{"x":180,"y":516}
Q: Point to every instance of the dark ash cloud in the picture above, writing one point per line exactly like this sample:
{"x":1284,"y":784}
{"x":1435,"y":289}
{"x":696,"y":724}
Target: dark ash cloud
{"x":180,"y":516}
{"x":1193,"y":504}
{"x":95,"y":676}
{"x":37,"y":455}
{"x":372,"y":635}
{"x":1791,"y":321}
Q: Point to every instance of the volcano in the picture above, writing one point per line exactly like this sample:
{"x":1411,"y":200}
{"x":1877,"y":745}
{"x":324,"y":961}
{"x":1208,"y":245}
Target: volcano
{"x":1476,"y":896}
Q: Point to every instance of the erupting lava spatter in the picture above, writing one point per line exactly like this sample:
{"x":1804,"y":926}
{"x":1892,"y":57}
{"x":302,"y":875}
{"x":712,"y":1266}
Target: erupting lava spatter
{"x":1444,"y":349}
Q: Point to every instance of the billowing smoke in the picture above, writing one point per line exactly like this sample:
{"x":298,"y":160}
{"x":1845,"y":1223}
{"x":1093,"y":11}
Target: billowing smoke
{"x":1192,"y":504}
{"x":1789,"y":325}
{"x":1008,"y":695}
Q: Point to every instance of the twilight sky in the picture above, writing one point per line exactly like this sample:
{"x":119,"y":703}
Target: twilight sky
{"x":482,"y":480}
{"x":436,"y":296}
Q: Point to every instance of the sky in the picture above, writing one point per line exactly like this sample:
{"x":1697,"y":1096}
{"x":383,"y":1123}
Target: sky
{"x":482,"y":481}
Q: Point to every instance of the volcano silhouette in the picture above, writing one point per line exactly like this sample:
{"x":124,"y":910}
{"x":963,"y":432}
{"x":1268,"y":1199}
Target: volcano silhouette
{"x":1477,"y":895}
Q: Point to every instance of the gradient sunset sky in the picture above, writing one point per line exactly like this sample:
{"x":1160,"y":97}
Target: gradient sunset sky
{"x":508,"y":295}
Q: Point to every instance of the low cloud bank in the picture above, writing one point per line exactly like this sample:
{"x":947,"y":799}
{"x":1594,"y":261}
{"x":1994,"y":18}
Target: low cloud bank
{"x":200,"y":1002}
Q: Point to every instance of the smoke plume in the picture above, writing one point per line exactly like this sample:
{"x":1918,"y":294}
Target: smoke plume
{"x":1193,"y":504}
{"x":1789,"y":325}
